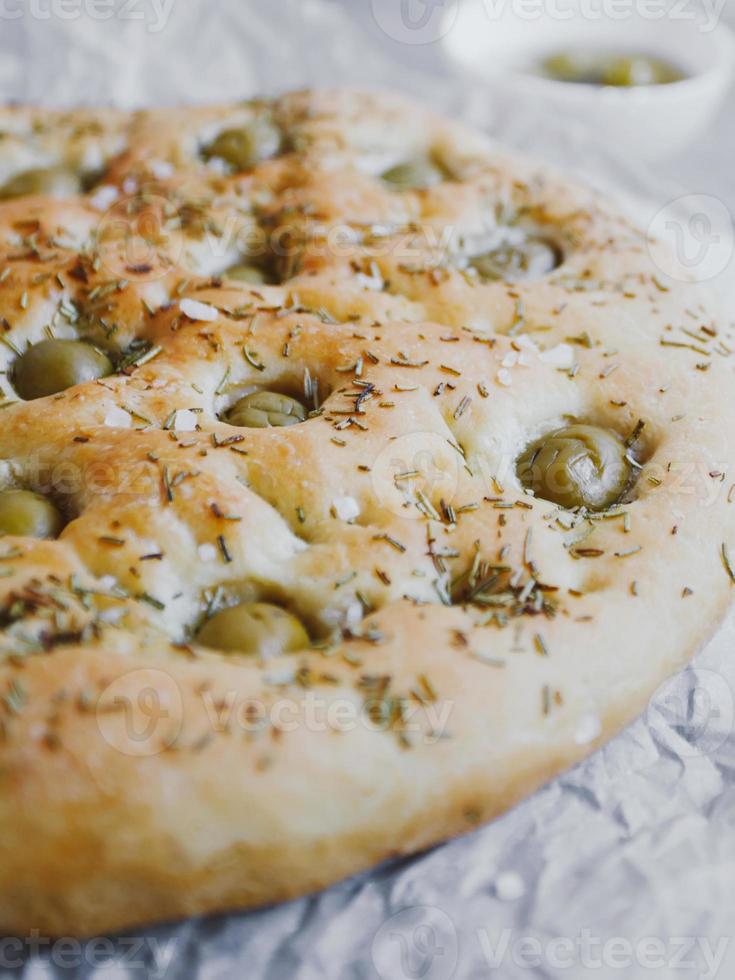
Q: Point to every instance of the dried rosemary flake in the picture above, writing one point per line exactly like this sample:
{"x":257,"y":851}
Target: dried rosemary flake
{"x":628,"y":553}
{"x":252,"y":359}
{"x":727,"y":562}
{"x":390,"y":540}
{"x":151,"y":600}
{"x":488,"y":659}
{"x":462,"y":407}
{"x":227,"y":557}
{"x":546,"y":699}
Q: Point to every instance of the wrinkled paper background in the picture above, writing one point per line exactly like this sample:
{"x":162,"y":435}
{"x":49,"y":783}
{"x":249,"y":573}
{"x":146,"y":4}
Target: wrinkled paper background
{"x":624,"y":867}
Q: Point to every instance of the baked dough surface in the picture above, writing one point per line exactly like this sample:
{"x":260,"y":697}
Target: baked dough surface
{"x":144,"y":777}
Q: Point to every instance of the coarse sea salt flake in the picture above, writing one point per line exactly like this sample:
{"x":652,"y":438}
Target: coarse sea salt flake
{"x":346,"y":508}
{"x":112,"y":616}
{"x":504,"y":377}
{"x":561,"y":356}
{"x":103,"y":197}
{"x":525,"y":341}
{"x":161,"y":169}
{"x":370,"y":282}
{"x":588,"y":729}
{"x":198,"y":311}
{"x":185,"y":420}
{"x":118,"y":418}
{"x":353,"y":614}
{"x":207,"y":552}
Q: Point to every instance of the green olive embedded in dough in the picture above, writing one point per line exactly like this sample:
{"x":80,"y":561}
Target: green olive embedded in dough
{"x":243,"y":148}
{"x":53,"y":181}
{"x":55,"y":365}
{"x":244,"y":272}
{"x":254,"y":628}
{"x":28,"y":515}
{"x":531,"y":259}
{"x":414,"y":175}
{"x":262,"y":409}
{"x":577,"y":466}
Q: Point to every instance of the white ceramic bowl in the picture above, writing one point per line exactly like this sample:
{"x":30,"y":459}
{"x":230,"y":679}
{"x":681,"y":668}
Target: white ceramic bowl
{"x":500,"y":46}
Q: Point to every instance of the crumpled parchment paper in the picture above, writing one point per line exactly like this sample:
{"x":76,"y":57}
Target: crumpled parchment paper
{"x":623,"y":867}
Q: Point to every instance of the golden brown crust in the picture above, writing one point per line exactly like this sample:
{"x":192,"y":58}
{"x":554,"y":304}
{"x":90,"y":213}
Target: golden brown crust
{"x":143,"y":777}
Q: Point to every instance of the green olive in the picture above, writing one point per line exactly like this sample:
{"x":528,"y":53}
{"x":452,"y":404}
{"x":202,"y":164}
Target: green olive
{"x":262,"y":409}
{"x":639,"y":70}
{"x":573,"y":67}
{"x":55,"y":365}
{"x":577,"y":466}
{"x":53,"y":181}
{"x":28,"y":515}
{"x":254,"y":628}
{"x":414,"y":175}
{"x":623,"y":71}
{"x":531,"y":259}
{"x":246,"y":146}
{"x":244,"y":272}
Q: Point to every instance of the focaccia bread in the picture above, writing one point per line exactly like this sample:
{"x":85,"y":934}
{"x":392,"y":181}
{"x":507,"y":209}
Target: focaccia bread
{"x":355,"y":479}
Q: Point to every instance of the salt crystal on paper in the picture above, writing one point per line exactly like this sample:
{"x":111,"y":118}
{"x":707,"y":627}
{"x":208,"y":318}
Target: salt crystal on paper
{"x":509,"y":886}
